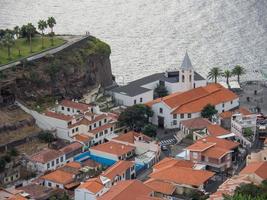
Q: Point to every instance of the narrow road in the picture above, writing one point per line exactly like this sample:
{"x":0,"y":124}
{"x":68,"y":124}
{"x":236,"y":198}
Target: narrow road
{"x":71,"y":39}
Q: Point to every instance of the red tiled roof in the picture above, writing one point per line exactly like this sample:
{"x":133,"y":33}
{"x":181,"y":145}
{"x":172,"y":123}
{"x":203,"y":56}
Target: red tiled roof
{"x":93,"y":185}
{"x":113,"y":148}
{"x":201,"y":145}
{"x":46,"y":155}
{"x":117,"y":169}
{"x":130,"y":190}
{"x":170,"y":162}
{"x":59,"y":176}
{"x":91,"y":163}
{"x":182,"y":175}
{"x":222,"y":143}
{"x":166,"y":188}
{"x":228,"y":114}
{"x":131,"y":136}
{"x":196,"y":123}
{"x":74,"y":164}
{"x":196,"y":99}
{"x":215,"y":152}
{"x":259,"y":168}
{"x":217,"y":130}
{"x":72,"y":104}
{"x":87,"y":122}
{"x":58,"y":116}
{"x":17,"y":197}
{"x":71,"y":147}
{"x":101,"y":128}
{"x":83,"y":138}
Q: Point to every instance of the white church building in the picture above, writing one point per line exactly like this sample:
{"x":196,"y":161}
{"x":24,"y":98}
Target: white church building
{"x":141,"y":91}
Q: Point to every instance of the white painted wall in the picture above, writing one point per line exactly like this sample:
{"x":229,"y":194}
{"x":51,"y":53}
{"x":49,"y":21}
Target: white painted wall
{"x":123,"y":99}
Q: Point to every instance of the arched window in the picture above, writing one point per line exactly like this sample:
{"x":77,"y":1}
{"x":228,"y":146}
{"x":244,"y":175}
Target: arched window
{"x":183,"y":78}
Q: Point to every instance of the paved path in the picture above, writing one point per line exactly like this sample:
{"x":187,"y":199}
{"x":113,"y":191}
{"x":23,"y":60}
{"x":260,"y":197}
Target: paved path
{"x":71,"y":39}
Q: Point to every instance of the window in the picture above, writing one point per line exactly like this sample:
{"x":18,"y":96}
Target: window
{"x":111,"y":128}
{"x":94,"y":124}
{"x":134,"y":101}
{"x":69,"y":123}
{"x":161,"y":83}
{"x":62,"y":108}
{"x":174,"y":116}
{"x":190,"y":78}
{"x":264,"y":158}
{"x":141,"y":100}
{"x":77,"y":129}
{"x":160,"y":110}
{"x":189,"y":115}
{"x":57,"y":185}
{"x":48,"y":165}
{"x":101,"y":133}
{"x":174,"y":122}
{"x":194,"y":85}
{"x":53,"y":163}
{"x":68,"y":109}
{"x":96,"y":136}
{"x":183,"y":78}
{"x":106,"y":131}
{"x":100,"y":123}
{"x":49,"y":184}
{"x":61,"y":159}
{"x":223,"y":105}
{"x":105,"y":120}
{"x":90,"y":128}
{"x":182,"y":116}
{"x":231,"y":102}
{"x":57,"y":161}
{"x":73,"y":130}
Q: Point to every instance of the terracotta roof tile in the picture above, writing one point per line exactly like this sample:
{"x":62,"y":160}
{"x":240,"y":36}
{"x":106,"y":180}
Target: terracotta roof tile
{"x":113,"y":148}
{"x":130,"y":190}
{"x":101,"y":128}
{"x":17,"y":197}
{"x":58,"y":116}
{"x":196,"y":123}
{"x":222,"y":143}
{"x":259,"y":168}
{"x":46,"y":155}
{"x":170,"y":162}
{"x":217,"y":130}
{"x":200,"y":145}
{"x":72,"y":104}
{"x":93,"y":185}
{"x":228,"y":114}
{"x":71,"y":147}
{"x":131,"y":136}
{"x":161,"y":186}
{"x":74,"y":164}
{"x":59,"y":176}
{"x":196,"y":99}
{"x":117,"y":169}
{"x":83,"y":138}
{"x":215,"y":152}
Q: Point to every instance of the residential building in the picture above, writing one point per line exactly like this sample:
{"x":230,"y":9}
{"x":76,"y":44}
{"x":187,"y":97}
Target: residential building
{"x":146,"y":149}
{"x":171,"y":176}
{"x":169,"y":111}
{"x":240,"y":124}
{"x":253,"y":173}
{"x":224,"y":118}
{"x":113,"y":151}
{"x":191,"y":125}
{"x":174,"y":80}
{"x":92,"y":189}
{"x":259,"y":156}
{"x":68,"y":107}
{"x":50,"y":159}
{"x":130,"y":190}
{"x":121,"y":170}
{"x":11,"y":173}
{"x":217,"y":154}
{"x":214,"y":130}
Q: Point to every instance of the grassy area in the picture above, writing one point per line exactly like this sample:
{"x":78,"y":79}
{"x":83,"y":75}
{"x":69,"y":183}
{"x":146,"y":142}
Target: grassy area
{"x":24,"y":47}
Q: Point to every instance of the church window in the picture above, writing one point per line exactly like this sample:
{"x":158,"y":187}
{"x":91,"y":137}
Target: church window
{"x":190,"y":78}
{"x":183,"y":78}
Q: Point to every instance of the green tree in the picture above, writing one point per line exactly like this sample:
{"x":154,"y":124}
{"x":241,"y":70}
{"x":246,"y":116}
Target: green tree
{"x":135,"y":117}
{"x":51,"y":22}
{"x":150,"y":130}
{"x":214,"y":73}
{"x":13,"y":152}
{"x":46,"y":137}
{"x":238,"y":71}
{"x":42,"y":25}
{"x":17,"y":33}
{"x":248,"y":132}
{"x":30,"y":30}
{"x":8,"y":41}
{"x":227,"y":74}
{"x":160,"y":91}
{"x":208,"y":111}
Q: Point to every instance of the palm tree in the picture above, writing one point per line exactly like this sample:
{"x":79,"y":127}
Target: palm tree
{"x":51,"y":23}
{"x":8,"y":41}
{"x":42,"y":25}
{"x":227,"y":74}
{"x":214,"y":73}
{"x":30,"y":29}
{"x":17,"y":33}
{"x":238,"y":71}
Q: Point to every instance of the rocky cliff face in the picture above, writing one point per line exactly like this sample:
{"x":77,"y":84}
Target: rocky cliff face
{"x":67,"y":74}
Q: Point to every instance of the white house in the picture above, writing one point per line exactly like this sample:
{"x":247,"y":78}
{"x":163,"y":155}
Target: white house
{"x":241,"y":122}
{"x":175,"y":80}
{"x":169,"y":111}
{"x":68,"y":107}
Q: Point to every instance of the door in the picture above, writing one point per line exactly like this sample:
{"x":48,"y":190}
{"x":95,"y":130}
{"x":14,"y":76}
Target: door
{"x":160,"y":122}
